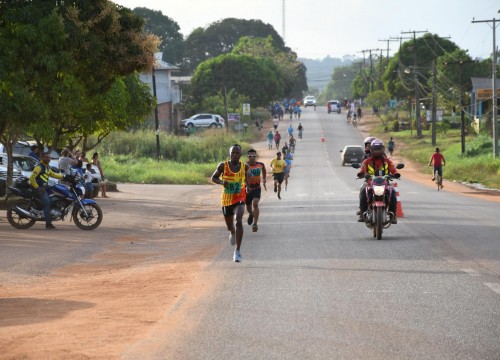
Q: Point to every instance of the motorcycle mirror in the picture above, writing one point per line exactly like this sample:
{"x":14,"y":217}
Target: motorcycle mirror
{"x":400,"y":166}
{"x":356,"y":165}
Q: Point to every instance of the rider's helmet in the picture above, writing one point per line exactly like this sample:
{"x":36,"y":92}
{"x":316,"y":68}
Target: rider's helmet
{"x":377,"y":148}
{"x":368,"y":142}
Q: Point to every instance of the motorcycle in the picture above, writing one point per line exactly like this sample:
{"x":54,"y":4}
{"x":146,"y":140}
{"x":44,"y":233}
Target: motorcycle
{"x":378,"y":191}
{"x":64,"y":200}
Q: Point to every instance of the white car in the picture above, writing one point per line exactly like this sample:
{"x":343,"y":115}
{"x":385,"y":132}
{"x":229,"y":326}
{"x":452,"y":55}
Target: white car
{"x":309,"y":101}
{"x":204,"y":121}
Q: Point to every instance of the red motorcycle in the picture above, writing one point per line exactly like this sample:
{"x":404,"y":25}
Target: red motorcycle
{"x":378,"y":192}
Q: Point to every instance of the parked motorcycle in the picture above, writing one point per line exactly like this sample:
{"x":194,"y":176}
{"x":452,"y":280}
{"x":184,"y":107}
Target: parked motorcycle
{"x":64,"y":200}
{"x":378,"y":191}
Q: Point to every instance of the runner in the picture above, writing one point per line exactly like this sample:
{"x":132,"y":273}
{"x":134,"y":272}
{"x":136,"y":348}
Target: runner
{"x":278,"y":167}
{"x":257,"y":169}
{"x":232,"y":176}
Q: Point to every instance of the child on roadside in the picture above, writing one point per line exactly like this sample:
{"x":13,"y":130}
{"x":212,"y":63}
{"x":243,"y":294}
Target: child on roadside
{"x":89,"y":187}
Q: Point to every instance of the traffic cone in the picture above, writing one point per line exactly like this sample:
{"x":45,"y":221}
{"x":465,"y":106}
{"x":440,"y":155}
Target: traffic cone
{"x":399,"y":207}
{"x":322,"y":136}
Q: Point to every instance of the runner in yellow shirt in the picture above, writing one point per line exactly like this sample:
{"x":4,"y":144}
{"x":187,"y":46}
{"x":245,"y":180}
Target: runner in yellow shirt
{"x":278,"y":166}
{"x":232,"y":175}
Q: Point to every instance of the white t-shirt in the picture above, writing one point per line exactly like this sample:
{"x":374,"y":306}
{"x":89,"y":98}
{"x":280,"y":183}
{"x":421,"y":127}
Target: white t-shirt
{"x":65,"y":164}
{"x":88,"y":176}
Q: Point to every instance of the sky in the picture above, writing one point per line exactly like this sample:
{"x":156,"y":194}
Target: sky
{"x":315,"y":29}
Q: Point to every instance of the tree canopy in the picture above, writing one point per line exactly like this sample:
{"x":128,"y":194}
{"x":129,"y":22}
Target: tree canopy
{"x":167,"y":30}
{"x":220,"y":38}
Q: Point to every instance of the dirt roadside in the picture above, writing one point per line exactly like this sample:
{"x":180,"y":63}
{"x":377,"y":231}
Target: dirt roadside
{"x":98,"y":308}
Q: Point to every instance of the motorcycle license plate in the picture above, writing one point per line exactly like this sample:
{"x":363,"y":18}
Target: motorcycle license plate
{"x":379,"y":204}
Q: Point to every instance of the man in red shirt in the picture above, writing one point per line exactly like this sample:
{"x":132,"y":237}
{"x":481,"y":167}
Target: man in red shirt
{"x":377,"y":164}
{"x":437,"y":159}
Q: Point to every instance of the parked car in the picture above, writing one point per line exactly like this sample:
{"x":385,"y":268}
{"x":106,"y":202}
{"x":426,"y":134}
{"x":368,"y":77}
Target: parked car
{"x":3,"y":174}
{"x":309,"y":100}
{"x":333,"y":106}
{"x":203,"y":121}
{"x":24,"y":148}
{"x":352,"y":154}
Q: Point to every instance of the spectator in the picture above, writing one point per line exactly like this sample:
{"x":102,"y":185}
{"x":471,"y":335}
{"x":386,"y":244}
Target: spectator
{"x":102,"y":184}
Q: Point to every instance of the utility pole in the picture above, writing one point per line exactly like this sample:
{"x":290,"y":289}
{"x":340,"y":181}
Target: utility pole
{"x":371,"y":65}
{"x":415,"y":78}
{"x":157,"y":126}
{"x":388,"y":41}
{"x":462,"y":112}
{"x":283,"y":20}
{"x":494,"y":85}
{"x":434,"y":99}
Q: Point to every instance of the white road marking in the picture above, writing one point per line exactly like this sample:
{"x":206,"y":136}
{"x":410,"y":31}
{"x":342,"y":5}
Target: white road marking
{"x":471,"y":272}
{"x":493,"y":286}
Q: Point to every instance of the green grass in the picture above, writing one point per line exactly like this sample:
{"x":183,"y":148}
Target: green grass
{"x":477,"y":165}
{"x":130,"y":157}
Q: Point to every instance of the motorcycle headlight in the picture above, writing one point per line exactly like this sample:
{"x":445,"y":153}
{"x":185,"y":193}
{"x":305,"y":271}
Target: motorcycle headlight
{"x":379,"y":190}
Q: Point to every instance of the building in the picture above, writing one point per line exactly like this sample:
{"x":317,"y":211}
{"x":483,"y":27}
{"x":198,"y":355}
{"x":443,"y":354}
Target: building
{"x":481,"y":99}
{"x":168,"y":93}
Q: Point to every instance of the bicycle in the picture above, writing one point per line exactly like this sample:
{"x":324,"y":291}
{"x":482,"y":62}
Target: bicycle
{"x":438,"y":179}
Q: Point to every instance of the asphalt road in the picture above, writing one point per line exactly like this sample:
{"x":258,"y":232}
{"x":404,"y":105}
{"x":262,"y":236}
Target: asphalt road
{"x":313,"y":282}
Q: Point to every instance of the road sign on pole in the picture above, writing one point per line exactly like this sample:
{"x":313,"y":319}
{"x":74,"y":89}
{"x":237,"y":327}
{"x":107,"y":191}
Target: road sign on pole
{"x":246,"y":109}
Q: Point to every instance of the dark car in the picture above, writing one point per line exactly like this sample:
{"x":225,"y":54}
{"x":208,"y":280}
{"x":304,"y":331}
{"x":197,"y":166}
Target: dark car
{"x":352,"y":154}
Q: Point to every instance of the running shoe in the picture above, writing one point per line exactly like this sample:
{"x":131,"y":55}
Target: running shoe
{"x":255,"y":228}
{"x":279,"y":197}
{"x":250,"y":219}
{"x":232,"y":239}
{"x":236,"y":256}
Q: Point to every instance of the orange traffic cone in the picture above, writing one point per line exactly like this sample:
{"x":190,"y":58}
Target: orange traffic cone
{"x":322,"y":136}
{"x":399,"y":207}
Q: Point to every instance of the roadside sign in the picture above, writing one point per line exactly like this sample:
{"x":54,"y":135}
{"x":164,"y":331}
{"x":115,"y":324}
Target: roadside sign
{"x":233,"y":117}
{"x":246,"y":109}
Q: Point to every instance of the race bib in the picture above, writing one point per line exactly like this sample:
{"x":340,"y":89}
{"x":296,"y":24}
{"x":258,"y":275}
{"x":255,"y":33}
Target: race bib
{"x":233,"y":188}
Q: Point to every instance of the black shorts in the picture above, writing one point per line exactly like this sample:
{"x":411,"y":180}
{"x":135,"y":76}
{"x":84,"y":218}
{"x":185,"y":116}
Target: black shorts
{"x":253,"y":194}
{"x":279,"y":177}
{"x":229,"y":210}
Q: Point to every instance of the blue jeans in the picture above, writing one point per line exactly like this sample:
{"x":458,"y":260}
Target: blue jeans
{"x":45,"y":200}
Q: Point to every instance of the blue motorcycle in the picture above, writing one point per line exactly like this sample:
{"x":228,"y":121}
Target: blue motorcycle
{"x":64,"y":200}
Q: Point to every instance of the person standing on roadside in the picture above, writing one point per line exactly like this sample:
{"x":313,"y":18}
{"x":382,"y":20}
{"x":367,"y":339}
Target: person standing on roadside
{"x":278,"y":167}
{"x":437,"y":159}
{"x":232,"y":175}
{"x":258,"y":171}
{"x":390,"y":146}
{"x":34,"y":153}
{"x":66,"y":161}
{"x":39,"y":179}
{"x":102,"y":184}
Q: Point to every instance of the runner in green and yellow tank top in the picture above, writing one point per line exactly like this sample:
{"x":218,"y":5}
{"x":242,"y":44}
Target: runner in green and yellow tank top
{"x":232,"y":175}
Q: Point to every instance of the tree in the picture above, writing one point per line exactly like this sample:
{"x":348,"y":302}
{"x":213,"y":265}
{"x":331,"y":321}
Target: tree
{"x":291,"y":71}
{"x":399,"y":75}
{"x":60,"y":59}
{"x":172,"y":41}
{"x":247,"y":75}
{"x":220,"y":38}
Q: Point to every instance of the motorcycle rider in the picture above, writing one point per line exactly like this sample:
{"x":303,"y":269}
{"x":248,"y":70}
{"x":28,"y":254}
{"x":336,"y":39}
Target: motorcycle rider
{"x":377,"y":164}
{"x":38,"y":181}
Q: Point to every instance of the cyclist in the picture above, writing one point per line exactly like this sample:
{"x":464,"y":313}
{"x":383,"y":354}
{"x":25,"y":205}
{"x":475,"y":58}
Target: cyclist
{"x":437,"y":159}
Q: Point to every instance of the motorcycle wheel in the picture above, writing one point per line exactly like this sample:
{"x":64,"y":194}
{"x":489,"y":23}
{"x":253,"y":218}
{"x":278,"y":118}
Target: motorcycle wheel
{"x":90,"y":221}
{"x":18,"y":221}
{"x":379,"y":222}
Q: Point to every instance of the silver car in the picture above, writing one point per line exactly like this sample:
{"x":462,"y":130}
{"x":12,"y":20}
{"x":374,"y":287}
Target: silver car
{"x":204,"y":121}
